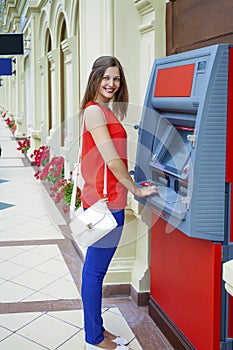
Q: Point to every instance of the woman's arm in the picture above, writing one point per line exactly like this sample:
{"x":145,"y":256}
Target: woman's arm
{"x":96,"y":124}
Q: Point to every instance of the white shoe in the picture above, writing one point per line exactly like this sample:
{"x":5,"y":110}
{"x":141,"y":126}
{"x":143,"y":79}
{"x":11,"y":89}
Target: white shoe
{"x":120,"y":340}
{"x":93,"y":347}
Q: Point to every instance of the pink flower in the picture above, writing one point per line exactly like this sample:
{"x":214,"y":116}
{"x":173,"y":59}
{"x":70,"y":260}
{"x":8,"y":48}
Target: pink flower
{"x":65,"y":209}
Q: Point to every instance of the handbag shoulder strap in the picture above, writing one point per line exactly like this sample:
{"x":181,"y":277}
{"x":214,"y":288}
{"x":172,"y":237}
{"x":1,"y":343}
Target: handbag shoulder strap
{"x":105,"y":190}
{"x":76,"y":174}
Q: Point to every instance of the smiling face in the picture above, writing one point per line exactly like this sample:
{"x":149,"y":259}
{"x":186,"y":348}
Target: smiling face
{"x":109,"y":85}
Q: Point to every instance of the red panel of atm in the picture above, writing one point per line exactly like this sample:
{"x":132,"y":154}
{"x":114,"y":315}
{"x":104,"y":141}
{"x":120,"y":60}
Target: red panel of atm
{"x":174,"y":81}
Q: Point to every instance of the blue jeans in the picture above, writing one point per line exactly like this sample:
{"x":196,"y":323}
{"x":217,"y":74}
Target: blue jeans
{"x":98,"y":258}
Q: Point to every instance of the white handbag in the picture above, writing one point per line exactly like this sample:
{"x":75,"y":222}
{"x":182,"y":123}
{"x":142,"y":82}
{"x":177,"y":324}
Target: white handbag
{"x":92,"y":224}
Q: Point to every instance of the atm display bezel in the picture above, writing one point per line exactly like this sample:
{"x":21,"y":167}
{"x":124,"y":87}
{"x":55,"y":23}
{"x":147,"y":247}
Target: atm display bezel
{"x":164,"y":153}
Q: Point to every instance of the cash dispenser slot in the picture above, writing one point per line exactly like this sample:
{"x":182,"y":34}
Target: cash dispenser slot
{"x":168,"y":202}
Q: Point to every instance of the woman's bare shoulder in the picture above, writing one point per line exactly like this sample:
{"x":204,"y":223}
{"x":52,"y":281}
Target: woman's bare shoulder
{"x":94,"y":117}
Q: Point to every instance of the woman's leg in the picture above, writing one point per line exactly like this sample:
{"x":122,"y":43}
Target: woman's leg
{"x":94,"y":270}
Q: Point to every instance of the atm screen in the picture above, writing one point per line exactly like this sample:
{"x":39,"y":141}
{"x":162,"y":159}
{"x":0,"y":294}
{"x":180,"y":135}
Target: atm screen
{"x":174,"y":81}
{"x":174,"y":157}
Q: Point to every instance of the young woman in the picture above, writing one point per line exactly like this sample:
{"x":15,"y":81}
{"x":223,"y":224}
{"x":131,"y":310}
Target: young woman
{"x":104,"y":142}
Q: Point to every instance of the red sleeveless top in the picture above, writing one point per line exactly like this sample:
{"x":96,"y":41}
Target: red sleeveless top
{"x":92,"y":165}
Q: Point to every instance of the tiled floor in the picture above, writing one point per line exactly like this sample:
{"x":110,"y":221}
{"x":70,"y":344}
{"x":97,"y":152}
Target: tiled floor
{"x":40,"y":304}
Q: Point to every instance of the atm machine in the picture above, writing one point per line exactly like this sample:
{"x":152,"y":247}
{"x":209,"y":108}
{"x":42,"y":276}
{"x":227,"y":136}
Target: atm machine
{"x":185,"y":147}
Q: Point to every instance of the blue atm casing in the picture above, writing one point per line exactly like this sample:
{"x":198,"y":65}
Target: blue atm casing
{"x":182,"y":141}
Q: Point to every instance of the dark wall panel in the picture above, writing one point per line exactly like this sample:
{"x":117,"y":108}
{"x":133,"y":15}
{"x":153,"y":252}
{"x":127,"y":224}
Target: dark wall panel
{"x":196,"y":23}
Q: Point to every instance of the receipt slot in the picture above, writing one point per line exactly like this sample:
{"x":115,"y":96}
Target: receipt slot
{"x":185,"y":146}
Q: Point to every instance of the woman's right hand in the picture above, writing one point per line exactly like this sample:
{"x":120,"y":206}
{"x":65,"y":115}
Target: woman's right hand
{"x":146,"y":191}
